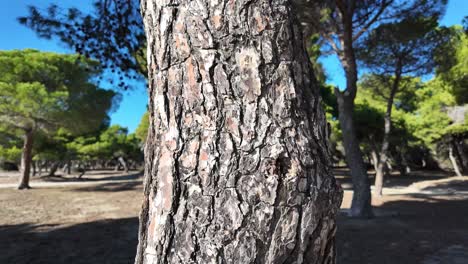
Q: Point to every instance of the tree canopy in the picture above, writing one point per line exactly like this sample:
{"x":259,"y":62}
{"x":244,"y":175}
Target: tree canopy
{"x":112,"y":34}
{"x":41,"y":92}
{"x":142,"y":130}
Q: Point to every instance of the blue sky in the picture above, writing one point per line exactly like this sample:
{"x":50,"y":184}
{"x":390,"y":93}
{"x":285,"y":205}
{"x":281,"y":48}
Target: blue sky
{"x":15,"y":36}
{"x":456,"y":11}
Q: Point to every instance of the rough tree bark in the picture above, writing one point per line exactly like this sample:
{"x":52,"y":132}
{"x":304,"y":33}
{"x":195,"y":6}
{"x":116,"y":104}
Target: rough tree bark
{"x":383,"y":157}
{"x":26,"y":159}
{"x":237,"y":163}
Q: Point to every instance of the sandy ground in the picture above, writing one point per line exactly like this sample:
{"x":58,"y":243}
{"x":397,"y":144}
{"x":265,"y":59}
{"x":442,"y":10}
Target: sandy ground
{"x":421,"y":219}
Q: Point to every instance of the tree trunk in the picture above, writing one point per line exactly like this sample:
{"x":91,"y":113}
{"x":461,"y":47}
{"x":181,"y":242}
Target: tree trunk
{"x":361,"y":203}
{"x":53,"y":169}
{"x":81,"y":169}
{"x":34,"y":171}
{"x":379,"y":175}
{"x":46,"y":166}
{"x":237,"y":163}
{"x":39,"y":168}
{"x":460,"y":148}
{"x":454,"y":162}
{"x":123,"y":163}
{"x":26,"y":159}
{"x":405,"y":169}
{"x":67,"y":167}
{"x":375,"y":160}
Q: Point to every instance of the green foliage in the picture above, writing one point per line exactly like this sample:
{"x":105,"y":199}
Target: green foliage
{"x":375,"y":87}
{"x":12,"y":154}
{"x":43,"y":91}
{"x":112,"y":33}
{"x":453,"y":64}
{"x":369,"y":122}
{"x":54,"y":146}
{"x":330,"y":19}
{"x":314,"y":51}
{"x":142,"y":130}
{"x":429,"y":121}
{"x":111,"y":143}
{"x":51,"y":95}
{"x":405,"y":47}
{"x":10,"y":144}
{"x":370,"y":109}
{"x":457,"y":129}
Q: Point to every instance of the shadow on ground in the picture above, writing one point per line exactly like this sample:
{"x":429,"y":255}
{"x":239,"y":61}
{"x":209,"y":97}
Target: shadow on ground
{"x":110,"y":187}
{"x":394,"y":180}
{"x":88,"y":178}
{"x":420,"y":229}
{"x":105,"y":241}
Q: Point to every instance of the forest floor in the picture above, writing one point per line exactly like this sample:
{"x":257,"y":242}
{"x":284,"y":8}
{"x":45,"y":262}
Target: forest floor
{"x":421,"y":219}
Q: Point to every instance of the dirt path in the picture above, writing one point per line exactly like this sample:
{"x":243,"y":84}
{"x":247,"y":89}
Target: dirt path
{"x":62,"y":220}
{"x":424,"y":223}
{"x":74,"y":223}
{"x":9,"y":180}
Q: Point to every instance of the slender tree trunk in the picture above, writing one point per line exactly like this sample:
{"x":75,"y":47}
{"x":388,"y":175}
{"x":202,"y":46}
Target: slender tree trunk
{"x":81,"y":169}
{"x":46,"y":166}
{"x":375,"y":159}
{"x":454,"y":162}
{"x":123,"y":163}
{"x":460,"y":148}
{"x":34,"y":171}
{"x":361,"y":203}
{"x":67,"y":167}
{"x":26,"y":159}
{"x":237,"y":163}
{"x":379,"y":175}
{"x":53,"y":168}
{"x":405,"y":169}
{"x":40,"y":165}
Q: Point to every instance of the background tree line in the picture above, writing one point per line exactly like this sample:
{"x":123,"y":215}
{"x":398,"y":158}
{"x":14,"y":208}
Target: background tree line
{"x":403,"y":107}
{"x":53,"y":115}
{"x":386,"y":48}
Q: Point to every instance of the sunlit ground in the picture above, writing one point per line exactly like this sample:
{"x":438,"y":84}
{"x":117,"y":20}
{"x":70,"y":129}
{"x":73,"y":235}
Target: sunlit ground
{"x":422,"y":219}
